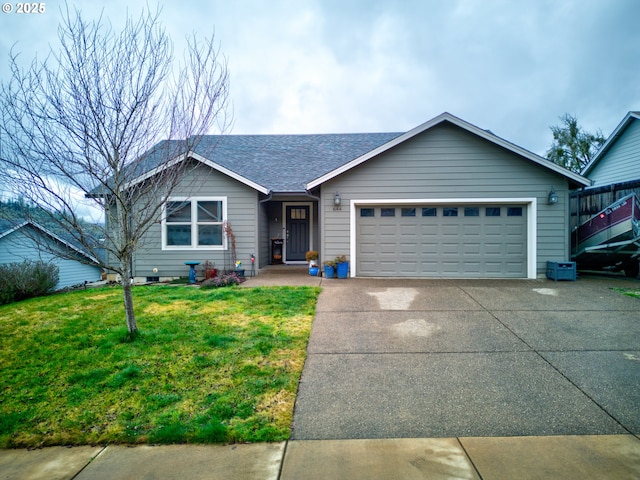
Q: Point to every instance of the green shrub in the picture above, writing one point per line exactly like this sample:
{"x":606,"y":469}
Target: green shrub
{"x":19,"y":281}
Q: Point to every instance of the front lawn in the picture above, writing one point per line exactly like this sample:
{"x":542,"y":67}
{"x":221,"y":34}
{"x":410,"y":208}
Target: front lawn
{"x":209,"y":366}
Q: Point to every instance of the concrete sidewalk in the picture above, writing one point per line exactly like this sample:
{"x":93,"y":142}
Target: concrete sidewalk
{"x":498,"y":458}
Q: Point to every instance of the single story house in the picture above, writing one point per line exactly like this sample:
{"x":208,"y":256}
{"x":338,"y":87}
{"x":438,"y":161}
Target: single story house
{"x":444,"y":200}
{"x":28,"y":241}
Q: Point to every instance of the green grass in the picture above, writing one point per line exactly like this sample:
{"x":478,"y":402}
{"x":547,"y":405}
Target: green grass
{"x":630,"y":292}
{"x":209,"y":366}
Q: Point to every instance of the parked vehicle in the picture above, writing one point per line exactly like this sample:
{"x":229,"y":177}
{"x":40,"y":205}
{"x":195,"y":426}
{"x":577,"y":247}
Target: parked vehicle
{"x":610,"y":240}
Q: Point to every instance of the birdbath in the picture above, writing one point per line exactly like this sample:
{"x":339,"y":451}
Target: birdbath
{"x":192,"y":271}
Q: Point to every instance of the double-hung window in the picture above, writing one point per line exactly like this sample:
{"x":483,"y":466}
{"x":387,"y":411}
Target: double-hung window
{"x":194,"y":223}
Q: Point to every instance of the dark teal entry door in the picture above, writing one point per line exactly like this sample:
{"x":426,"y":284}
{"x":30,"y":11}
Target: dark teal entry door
{"x":297,"y":232}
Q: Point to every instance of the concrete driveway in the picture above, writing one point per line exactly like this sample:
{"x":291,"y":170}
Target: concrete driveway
{"x":430,"y":358}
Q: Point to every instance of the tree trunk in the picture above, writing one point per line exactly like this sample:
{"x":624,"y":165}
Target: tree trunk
{"x":132,"y":327}
{"x":128,"y":307}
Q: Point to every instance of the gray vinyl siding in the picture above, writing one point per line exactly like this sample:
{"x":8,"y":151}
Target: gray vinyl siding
{"x":242,"y":213}
{"x":18,"y":247}
{"x":622,"y":162}
{"x":447,"y":162}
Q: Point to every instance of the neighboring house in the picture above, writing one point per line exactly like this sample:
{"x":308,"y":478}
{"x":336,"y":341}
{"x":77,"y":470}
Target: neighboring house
{"x":446,"y":199}
{"x":27,"y":241}
{"x":614,"y":171}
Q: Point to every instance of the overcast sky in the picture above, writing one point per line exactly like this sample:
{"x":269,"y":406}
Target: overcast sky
{"x":366,"y":66}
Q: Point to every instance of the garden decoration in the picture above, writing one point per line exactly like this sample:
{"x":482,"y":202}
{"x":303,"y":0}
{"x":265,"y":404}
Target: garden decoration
{"x":239,"y":271}
{"x":192,"y":271}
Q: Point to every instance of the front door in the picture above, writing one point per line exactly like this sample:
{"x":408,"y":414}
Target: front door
{"x":298,"y":221}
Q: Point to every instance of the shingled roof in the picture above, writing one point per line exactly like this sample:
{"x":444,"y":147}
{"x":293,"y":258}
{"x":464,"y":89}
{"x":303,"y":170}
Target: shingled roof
{"x":295,"y":163}
{"x":286,"y":163}
{"x":280,"y":163}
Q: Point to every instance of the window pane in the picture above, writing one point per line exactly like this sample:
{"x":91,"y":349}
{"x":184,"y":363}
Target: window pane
{"x":429,"y":212}
{"x":493,"y":212}
{"x":387,"y":212}
{"x":450,"y":212}
{"x":209,"y":234}
{"x":367,"y":212}
{"x":514,"y":212}
{"x":408,"y":212}
{"x":178,"y":211}
{"x":471,"y":212}
{"x":210,"y":211}
{"x":178,"y":234}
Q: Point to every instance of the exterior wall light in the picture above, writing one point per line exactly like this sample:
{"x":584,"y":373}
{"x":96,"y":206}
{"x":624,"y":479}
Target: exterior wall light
{"x":337,"y":202}
{"x":553,"y":197}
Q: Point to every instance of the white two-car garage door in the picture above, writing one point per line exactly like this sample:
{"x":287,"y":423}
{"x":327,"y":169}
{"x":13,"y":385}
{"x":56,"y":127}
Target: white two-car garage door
{"x":457,"y":240}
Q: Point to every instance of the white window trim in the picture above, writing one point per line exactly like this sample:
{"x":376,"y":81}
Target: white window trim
{"x":529,"y":202}
{"x":194,"y":224}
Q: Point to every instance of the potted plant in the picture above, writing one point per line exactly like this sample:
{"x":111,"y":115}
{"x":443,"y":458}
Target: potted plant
{"x":210,"y":270}
{"x":329,"y":269}
{"x":312,"y":258}
{"x":342,"y":266}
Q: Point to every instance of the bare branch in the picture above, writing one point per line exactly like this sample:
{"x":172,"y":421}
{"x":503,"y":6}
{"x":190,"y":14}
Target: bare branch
{"x":87,"y":118}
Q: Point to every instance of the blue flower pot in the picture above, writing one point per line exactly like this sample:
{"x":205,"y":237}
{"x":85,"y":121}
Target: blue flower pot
{"x":313,"y":271}
{"x":329,"y":272}
{"x":343,"y":270}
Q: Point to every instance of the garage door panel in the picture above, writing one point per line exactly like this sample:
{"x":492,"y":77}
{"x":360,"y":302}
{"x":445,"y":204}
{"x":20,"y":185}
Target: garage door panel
{"x":492,"y":249}
{"x":450,"y":230}
{"x":438,"y":246}
{"x":450,"y":249}
{"x":429,"y":230}
{"x":429,"y":249}
{"x":469,"y":230}
{"x":450,"y":267}
{"x":514,"y":268}
{"x":471,"y":249}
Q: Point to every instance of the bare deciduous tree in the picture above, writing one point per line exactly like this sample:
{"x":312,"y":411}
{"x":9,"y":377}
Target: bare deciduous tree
{"x":85,"y":121}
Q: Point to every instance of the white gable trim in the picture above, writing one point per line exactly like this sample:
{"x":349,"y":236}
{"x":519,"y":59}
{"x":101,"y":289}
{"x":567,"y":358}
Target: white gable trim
{"x":447,"y":117}
{"x":11,"y":230}
{"x":613,"y":138}
{"x":229,"y":173}
{"x":204,"y":161}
